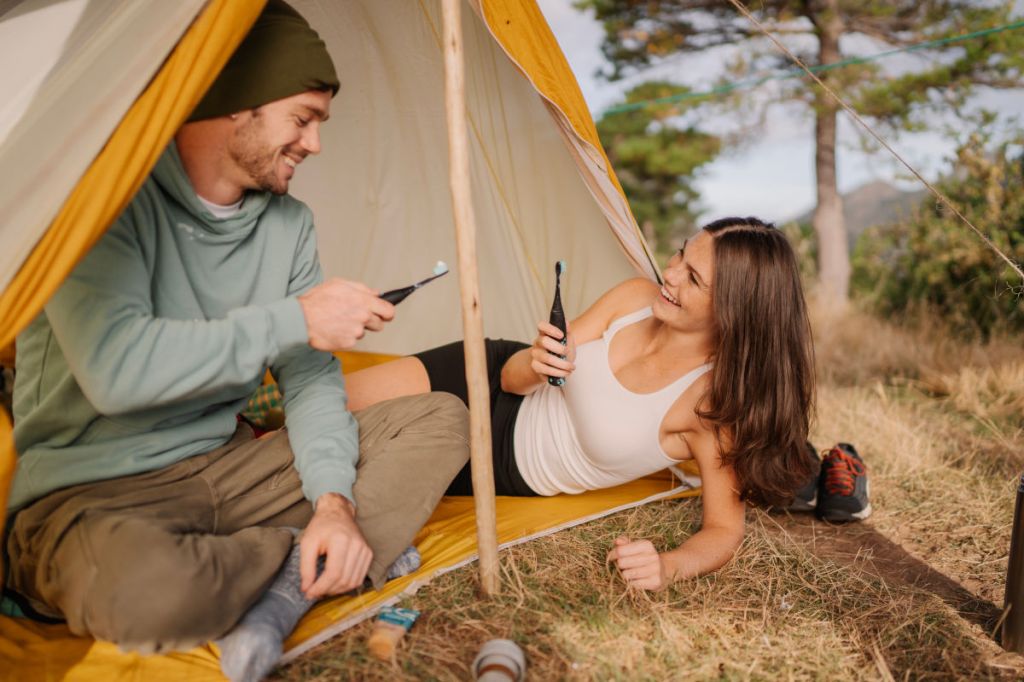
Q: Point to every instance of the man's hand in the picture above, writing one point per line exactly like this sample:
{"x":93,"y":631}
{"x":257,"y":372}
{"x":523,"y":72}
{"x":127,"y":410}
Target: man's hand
{"x":639,"y":563}
{"x":338,"y":313}
{"x":333,"y":532}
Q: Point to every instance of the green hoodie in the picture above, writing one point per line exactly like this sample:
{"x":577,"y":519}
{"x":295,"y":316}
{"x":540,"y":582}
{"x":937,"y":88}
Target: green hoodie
{"x":147,"y":352}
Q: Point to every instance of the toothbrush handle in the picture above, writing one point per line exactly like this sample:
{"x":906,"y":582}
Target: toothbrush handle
{"x":557,"y":318}
{"x":396,"y":296}
{"x":558,"y":381}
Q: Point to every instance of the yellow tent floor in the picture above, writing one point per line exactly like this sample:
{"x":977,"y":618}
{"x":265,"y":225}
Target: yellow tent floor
{"x":31,"y":651}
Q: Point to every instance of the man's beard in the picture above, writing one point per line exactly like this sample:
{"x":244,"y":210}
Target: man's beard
{"x":253,"y":157}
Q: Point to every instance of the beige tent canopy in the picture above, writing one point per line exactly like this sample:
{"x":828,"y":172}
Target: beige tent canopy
{"x":379,"y":192}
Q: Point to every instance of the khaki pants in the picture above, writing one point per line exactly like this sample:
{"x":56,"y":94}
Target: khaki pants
{"x":172,"y":558}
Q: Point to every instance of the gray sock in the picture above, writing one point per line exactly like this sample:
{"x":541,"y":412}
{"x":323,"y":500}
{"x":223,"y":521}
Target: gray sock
{"x":407,"y":562}
{"x":255,"y":645}
{"x":252,"y":649}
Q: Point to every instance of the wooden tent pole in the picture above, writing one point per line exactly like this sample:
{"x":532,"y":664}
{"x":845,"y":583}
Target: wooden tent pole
{"x":469,"y":284}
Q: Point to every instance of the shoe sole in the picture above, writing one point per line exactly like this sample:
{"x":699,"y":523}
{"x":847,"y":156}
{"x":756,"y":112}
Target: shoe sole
{"x":844,"y":516}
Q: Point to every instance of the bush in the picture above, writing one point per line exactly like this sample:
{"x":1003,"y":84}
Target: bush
{"x":936,"y":262}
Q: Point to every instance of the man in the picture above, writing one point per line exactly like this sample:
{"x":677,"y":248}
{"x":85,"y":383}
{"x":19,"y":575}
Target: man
{"x":140,"y":513}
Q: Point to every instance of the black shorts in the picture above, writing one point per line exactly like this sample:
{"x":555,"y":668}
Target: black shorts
{"x":446,"y":369}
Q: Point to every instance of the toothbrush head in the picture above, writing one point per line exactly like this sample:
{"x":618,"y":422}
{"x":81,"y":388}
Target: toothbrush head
{"x":440,"y":268}
{"x":560,"y":268}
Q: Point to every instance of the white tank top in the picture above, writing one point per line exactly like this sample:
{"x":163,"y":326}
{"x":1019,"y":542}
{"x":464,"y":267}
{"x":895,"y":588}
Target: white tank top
{"x":592,"y":432}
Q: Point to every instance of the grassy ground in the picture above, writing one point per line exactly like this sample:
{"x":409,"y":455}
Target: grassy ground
{"x":914,"y":593}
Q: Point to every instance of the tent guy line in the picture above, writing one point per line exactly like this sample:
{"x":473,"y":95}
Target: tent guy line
{"x":799,"y":72}
{"x":878,"y":138}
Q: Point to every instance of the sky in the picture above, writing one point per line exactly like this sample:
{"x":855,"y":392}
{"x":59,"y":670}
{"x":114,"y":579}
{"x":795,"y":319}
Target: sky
{"x":771,"y":175}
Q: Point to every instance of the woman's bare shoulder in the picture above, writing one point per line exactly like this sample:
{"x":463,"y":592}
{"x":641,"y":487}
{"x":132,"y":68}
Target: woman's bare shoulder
{"x":639,"y":286}
{"x":620,"y":300}
{"x":630,"y":295}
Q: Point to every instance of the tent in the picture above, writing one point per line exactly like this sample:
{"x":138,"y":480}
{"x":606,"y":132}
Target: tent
{"x":544,"y":190}
{"x":102,"y":85}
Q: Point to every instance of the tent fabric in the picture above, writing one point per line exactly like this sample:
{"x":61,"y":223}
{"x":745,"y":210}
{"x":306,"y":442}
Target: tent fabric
{"x":120,"y":167}
{"x":379,"y":190}
{"x":78,"y":74}
{"x":31,"y":651}
{"x":537,"y":54}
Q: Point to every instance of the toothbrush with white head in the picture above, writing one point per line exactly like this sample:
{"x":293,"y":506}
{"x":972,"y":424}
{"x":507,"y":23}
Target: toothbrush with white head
{"x":396,"y":296}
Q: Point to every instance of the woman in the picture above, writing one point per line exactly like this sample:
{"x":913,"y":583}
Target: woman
{"x":715,"y":366}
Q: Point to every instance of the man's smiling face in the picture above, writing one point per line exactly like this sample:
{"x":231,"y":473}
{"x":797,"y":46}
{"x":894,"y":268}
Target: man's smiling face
{"x":271,"y":140}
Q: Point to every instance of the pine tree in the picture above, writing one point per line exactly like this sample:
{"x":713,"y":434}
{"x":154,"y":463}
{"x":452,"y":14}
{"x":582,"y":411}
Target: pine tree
{"x":656,"y":162}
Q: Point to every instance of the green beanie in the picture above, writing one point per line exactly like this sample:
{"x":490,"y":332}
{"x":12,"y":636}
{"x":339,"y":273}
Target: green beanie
{"x":281,"y":56}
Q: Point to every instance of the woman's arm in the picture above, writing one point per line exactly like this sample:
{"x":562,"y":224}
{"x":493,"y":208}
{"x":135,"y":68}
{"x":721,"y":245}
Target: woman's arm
{"x":706,"y":550}
{"x":527,"y":370}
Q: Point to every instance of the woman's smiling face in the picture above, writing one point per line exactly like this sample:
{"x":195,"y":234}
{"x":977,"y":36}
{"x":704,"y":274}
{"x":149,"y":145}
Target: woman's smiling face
{"x":685,"y":302}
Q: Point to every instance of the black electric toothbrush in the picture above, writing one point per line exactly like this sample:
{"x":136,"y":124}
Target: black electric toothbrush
{"x":557,"y":316}
{"x":396,"y":296}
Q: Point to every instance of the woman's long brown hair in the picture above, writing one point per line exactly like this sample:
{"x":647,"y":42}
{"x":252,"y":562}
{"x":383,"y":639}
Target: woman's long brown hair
{"x":762,"y":387}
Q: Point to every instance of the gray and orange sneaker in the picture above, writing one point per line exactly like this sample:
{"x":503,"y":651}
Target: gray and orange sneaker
{"x":843,"y":486}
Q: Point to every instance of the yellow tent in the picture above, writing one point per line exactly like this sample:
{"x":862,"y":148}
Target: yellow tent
{"x":107,"y":83}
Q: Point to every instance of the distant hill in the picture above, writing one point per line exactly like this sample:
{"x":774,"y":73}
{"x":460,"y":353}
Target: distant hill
{"x":875,"y":203}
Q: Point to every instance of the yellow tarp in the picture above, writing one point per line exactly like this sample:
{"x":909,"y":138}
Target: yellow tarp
{"x":30,"y":651}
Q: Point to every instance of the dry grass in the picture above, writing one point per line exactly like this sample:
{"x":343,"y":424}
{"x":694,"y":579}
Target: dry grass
{"x":912,"y":594}
{"x":858,"y":349}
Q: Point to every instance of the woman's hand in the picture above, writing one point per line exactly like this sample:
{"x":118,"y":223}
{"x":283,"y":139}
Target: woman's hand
{"x":547,"y":349}
{"x":640,"y":564}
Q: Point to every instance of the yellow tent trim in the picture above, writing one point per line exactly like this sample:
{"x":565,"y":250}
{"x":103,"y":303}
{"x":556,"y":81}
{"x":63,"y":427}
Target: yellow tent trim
{"x":353,"y":361}
{"x":537,"y":54}
{"x":544,"y":65}
{"x":116,"y":175}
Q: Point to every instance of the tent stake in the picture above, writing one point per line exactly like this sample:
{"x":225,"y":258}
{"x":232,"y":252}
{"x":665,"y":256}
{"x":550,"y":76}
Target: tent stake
{"x":469,"y":284}
{"x":1013,"y":625}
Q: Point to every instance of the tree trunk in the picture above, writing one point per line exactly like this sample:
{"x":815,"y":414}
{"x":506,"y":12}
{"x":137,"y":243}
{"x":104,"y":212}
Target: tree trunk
{"x":833,"y":253}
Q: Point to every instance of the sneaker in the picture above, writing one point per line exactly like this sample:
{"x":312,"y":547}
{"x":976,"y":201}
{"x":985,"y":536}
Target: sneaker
{"x":843,"y":486}
{"x":806,"y":498}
